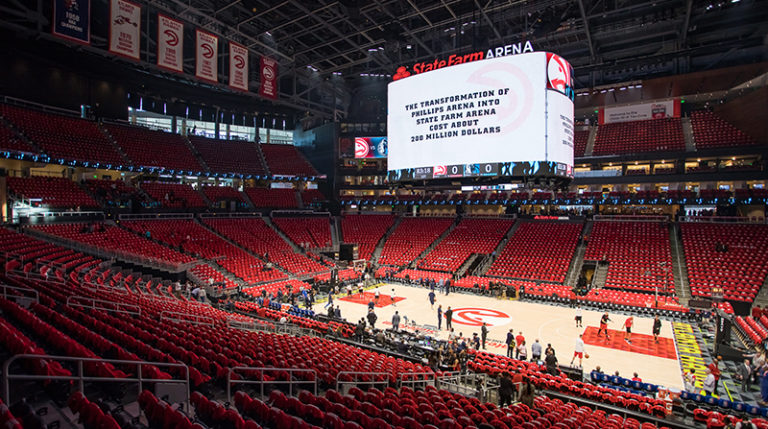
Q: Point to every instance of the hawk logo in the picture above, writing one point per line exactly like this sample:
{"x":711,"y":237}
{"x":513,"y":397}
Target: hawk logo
{"x":440,"y":170}
{"x":268,"y":72}
{"x":239,"y":61}
{"x":361,"y":148}
{"x":173,"y":38}
{"x":474,"y":316}
{"x":207,"y":50}
{"x":402,"y":72}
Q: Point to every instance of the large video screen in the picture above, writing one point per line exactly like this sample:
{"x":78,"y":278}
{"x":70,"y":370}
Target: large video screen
{"x":506,"y":116}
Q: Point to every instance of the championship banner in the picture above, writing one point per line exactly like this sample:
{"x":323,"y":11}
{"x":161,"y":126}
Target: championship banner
{"x":206,"y":56}
{"x":125,"y":28}
{"x":238,"y":66}
{"x":72,"y":20}
{"x":170,"y":43}
{"x":268,"y":78}
{"x":640,"y":112}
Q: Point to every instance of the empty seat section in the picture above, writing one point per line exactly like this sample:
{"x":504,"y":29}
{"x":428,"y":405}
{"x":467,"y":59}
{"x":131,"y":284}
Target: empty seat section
{"x":286,"y":160}
{"x":192,"y":238}
{"x":51,"y":192}
{"x":539,"y":251}
{"x":150,"y":148}
{"x":470,"y":236}
{"x":113,"y":192}
{"x":653,"y":135}
{"x":256,"y":236}
{"x":312,"y":196}
{"x":230,"y":156}
{"x":11,"y":142}
{"x":173,"y":195}
{"x":580,"y":138}
{"x":64,"y":137}
{"x":116,"y":240}
{"x":222,"y":193}
{"x":272,"y":198}
{"x":711,"y":131}
{"x":366,"y":231}
{"x":740,"y":270}
{"x":411,"y":237}
{"x":638,"y":254}
{"x":306,"y":232}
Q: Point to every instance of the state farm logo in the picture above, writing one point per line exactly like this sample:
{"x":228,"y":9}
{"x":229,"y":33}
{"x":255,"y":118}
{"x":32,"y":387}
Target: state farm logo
{"x":207,"y":50}
{"x":239,"y":61}
{"x":474,"y":316}
{"x":173,"y":39}
{"x":361,"y":148}
{"x":402,"y":72}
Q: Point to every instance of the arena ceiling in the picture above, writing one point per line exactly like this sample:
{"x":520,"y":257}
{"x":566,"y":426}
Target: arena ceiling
{"x":324,"y":47}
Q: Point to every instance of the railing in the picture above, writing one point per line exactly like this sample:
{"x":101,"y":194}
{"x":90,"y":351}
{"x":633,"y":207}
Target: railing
{"x":417,"y":379}
{"x":21,"y":212}
{"x":246,"y":325}
{"x":34,"y":275}
{"x":155,"y":216}
{"x":81,"y":378}
{"x":477,"y":385}
{"x":261,"y":371}
{"x":24,"y":293}
{"x":288,"y":213}
{"x":357,"y":378}
{"x":227,"y":215}
{"x":723,"y":219}
{"x":194,"y":319}
{"x":103,"y":305}
{"x":630,"y":218}
{"x":112,"y":253}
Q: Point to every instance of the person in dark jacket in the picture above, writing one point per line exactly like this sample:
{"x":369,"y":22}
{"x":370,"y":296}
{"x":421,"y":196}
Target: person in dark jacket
{"x":372,"y":318}
{"x":448,"y":317}
{"x":506,"y":389}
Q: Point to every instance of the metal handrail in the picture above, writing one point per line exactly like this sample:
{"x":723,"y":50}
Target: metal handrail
{"x":81,"y":378}
{"x":33,"y":275}
{"x":418,"y":379}
{"x":630,"y":218}
{"x":6,"y":288}
{"x":194,"y":319}
{"x":357,"y":378}
{"x":154,"y":216}
{"x":723,"y":219}
{"x":227,"y":215}
{"x":261,"y":382}
{"x":97,"y":304}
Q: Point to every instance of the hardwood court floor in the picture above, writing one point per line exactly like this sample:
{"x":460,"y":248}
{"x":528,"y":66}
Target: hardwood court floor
{"x":550,"y":324}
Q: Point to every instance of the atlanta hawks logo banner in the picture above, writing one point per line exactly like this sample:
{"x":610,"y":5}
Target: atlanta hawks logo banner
{"x":206,"y":56}
{"x":170,"y":43}
{"x":72,"y":20}
{"x":268,"y":78}
{"x":125,"y":28}
{"x":238,"y":66}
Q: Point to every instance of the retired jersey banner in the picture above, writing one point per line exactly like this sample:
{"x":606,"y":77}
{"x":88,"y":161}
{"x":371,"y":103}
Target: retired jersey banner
{"x":238,"y":66}
{"x":72,"y":20}
{"x":206,"y":56}
{"x":268,"y":78}
{"x":125,"y":28}
{"x":170,"y":43}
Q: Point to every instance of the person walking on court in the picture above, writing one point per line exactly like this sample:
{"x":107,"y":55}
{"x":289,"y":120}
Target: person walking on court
{"x":628,"y":326}
{"x":439,"y":317}
{"x":372,"y":318}
{"x":745,"y":370}
{"x":484,"y":333}
{"x":476,"y":341}
{"x":536,"y":351}
{"x":578,"y":316}
{"x":521,"y":351}
{"x":510,"y":343}
{"x":551,"y":363}
{"x":656,"y":328}
{"x":604,"y":325}
{"x":394,"y":299}
{"x":448,"y":317}
{"x":432,"y":299}
{"x":578,"y":350}
{"x":714,"y":368}
{"x":330,"y":300}
{"x":519,"y":339}
{"x":396,"y":321}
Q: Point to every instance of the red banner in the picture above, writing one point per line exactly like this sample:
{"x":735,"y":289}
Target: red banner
{"x":238,"y":66}
{"x":170,"y":43}
{"x":206,"y":56}
{"x":125,"y":28}
{"x":268,"y":78}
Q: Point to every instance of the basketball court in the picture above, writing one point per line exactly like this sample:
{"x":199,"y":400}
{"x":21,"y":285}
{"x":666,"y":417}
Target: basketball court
{"x":655,"y":363}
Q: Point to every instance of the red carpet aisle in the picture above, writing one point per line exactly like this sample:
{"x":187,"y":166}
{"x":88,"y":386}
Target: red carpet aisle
{"x":384,"y":300}
{"x":641,"y":343}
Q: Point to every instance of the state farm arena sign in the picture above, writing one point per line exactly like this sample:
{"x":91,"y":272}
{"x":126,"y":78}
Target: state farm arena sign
{"x":437,"y":63}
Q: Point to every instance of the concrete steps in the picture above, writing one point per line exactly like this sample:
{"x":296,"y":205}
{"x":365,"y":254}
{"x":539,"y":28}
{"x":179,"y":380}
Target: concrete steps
{"x":574,"y":270}
{"x":434,"y":244}
{"x":497,"y":251}
{"x":690,"y":143}
{"x":590,"y":141}
{"x":679,"y":268}
{"x":380,"y":245}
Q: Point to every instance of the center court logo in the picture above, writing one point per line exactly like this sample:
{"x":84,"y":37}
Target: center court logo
{"x":475,"y":316}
